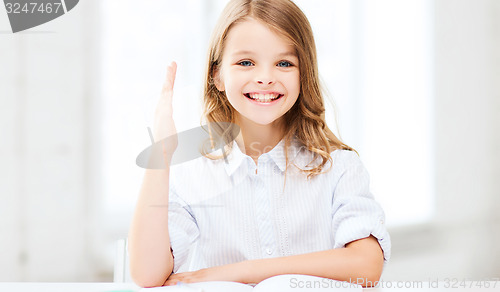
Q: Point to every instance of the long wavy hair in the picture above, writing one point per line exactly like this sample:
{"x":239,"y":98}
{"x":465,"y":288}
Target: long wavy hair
{"x":306,"y":119}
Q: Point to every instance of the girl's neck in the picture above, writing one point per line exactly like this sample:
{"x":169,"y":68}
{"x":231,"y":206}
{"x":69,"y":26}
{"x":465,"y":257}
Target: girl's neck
{"x":258,"y":139}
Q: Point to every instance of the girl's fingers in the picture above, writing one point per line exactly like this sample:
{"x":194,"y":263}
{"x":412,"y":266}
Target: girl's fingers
{"x":164,"y":106}
{"x":172,"y":71}
{"x":163,"y":122}
{"x":168,"y":86}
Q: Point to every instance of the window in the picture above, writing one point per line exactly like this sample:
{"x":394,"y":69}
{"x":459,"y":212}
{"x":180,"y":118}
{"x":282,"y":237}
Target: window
{"x":395,"y":94}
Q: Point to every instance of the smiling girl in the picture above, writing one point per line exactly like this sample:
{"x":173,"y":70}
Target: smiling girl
{"x":290,"y":198}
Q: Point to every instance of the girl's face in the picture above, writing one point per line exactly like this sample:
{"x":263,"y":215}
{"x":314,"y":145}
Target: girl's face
{"x":259,"y":73}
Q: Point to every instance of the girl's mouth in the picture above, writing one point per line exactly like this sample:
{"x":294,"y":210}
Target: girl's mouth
{"x":263,"y":98}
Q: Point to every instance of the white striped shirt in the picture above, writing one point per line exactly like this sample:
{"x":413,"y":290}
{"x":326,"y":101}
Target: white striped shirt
{"x":224,"y":212}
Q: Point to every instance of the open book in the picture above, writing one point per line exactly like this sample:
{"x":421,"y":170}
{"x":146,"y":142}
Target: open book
{"x":280,"y":283}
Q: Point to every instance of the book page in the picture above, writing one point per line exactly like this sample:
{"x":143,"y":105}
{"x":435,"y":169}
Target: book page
{"x":210,"y":286}
{"x":295,"y":283}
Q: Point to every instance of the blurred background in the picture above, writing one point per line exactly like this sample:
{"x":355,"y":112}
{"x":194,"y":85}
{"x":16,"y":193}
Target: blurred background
{"x":413,"y":86}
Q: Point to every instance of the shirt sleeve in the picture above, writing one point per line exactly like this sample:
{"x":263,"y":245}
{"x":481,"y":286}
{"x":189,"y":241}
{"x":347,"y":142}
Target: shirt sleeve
{"x":183,"y":230}
{"x":356,"y":214}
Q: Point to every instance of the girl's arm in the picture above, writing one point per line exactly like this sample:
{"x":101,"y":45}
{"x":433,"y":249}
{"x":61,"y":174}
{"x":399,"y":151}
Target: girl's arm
{"x":151,"y":260}
{"x":360,"y":262}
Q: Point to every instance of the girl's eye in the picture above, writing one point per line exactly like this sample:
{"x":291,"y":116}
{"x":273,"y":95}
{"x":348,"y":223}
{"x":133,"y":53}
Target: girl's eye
{"x":284,"y":64}
{"x":245,"y":63}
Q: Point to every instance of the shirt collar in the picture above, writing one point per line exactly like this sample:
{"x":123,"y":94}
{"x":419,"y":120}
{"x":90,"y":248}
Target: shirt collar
{"x":236,"y":157}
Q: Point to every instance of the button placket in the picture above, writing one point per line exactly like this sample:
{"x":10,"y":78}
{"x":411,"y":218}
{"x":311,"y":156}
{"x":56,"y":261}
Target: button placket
{"x":263,"y":199}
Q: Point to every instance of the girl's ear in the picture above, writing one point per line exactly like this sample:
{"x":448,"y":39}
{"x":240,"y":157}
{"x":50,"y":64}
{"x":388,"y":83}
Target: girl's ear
{"x":219,"y":84}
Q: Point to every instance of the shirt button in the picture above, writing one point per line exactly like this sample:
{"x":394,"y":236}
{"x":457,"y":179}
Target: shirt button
{"x":269,"y":251}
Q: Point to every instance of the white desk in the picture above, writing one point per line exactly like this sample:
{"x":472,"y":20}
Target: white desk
{"x":68,"y":287}
{"x":130,"y":287}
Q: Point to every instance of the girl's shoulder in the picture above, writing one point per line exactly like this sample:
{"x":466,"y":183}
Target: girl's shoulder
{"x":305,"y":158}
{"x":344,"y":155}
{"x":343,"y":159}
{"x":338,"y":162}
{"x":196,"y":166}
{"x":197,"y":179}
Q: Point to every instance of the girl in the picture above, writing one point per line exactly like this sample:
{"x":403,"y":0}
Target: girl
{"x":290,"y":197}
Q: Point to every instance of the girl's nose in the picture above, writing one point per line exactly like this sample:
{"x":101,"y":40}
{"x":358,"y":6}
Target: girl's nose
{"x":265,"y":77}
{"x":265,"y":81}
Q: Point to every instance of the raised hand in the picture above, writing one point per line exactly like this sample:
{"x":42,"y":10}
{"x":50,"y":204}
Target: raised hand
{"x":164,"y":125}
{"x":149,"y":241}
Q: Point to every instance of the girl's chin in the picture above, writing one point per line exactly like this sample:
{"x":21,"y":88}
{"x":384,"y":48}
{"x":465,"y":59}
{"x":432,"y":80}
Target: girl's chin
{"x":258,"y":121}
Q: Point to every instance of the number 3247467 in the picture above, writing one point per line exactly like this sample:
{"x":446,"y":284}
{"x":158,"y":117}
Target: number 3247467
{"x":32,"y":8}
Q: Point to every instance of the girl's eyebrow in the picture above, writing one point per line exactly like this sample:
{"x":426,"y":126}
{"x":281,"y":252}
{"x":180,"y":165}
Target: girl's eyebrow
{"x":288,"y":54}
{"x":284,"y":54}
{"x":243,"y":52}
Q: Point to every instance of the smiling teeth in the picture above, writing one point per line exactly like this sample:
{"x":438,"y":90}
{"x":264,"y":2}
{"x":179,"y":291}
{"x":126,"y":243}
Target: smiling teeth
{"x":263,"y":97}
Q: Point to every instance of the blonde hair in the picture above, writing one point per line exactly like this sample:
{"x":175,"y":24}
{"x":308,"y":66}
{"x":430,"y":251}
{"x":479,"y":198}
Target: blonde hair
{"x":306,"y":119}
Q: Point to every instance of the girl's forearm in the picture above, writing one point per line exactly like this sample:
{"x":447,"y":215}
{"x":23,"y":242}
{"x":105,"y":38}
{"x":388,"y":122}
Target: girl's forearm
{"x":360,"y":262}
{"x":151,"y":260}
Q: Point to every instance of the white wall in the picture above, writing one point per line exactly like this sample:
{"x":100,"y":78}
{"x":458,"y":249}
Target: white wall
{"x":47,"y":94}
{"x":463,"y":241}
